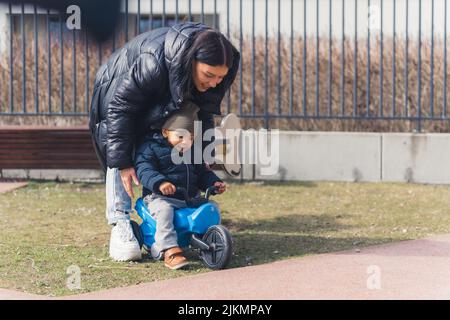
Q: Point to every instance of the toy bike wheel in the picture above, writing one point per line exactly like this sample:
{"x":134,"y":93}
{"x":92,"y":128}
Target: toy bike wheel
{"x":221,"y":247}
{"x":137,"y":232}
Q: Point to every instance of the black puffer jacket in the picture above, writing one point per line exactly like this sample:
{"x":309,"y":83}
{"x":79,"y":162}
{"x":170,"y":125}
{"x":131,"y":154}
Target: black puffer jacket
{"x":154,"y":165}
{"x":138,"y":88}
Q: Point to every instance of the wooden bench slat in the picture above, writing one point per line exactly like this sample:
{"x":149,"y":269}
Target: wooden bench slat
{"x":34,"y":147}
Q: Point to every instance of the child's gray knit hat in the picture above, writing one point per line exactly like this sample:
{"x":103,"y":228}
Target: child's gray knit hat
{"x":183,"y":118}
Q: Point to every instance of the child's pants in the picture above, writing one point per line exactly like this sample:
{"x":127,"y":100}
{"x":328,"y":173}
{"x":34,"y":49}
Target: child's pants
{"x":162,"y":209}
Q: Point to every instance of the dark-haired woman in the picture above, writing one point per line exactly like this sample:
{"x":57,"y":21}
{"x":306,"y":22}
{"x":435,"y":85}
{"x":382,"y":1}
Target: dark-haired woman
{"x":137,"y":89}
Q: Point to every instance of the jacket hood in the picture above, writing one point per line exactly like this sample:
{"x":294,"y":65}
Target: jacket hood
{"x":178,"y":40}
{"x":157,"y":137}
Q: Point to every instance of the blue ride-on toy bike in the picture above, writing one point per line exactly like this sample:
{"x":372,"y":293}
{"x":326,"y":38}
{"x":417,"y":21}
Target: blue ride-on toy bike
{"x":197,"y":226}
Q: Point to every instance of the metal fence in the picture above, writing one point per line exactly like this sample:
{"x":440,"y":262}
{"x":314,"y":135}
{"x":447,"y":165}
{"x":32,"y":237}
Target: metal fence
{"x":319,"y":60}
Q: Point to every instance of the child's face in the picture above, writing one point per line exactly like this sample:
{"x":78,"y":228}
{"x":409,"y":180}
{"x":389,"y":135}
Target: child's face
{"x":179,"y":139}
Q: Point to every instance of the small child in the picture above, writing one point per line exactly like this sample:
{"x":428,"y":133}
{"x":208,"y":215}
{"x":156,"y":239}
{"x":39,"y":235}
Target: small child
{"x":160,"y":178}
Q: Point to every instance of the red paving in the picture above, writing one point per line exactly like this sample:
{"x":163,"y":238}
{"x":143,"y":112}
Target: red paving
{"x":417,"y":269}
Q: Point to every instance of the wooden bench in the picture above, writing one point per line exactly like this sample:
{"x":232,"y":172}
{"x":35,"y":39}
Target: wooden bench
{"x":38,"y":147}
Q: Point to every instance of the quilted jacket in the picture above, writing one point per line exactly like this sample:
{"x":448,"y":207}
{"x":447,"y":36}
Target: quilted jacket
{"x":138,"y":88}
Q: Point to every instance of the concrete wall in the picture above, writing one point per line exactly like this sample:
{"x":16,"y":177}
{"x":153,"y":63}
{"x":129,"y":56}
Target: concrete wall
{"x":327,"y":156}
{"x":423,"y":158}
{"x":365,"y":157}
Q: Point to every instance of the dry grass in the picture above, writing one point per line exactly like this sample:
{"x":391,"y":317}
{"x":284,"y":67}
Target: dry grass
{"x":327,"y":102}
{"x":74,"y":99}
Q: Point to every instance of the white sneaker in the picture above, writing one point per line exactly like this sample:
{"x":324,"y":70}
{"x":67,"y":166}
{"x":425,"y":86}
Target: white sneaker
{"x":123,"y":245}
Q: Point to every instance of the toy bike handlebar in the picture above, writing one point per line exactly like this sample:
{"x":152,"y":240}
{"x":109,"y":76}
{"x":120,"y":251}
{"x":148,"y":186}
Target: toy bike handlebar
{"x":211,"y":191}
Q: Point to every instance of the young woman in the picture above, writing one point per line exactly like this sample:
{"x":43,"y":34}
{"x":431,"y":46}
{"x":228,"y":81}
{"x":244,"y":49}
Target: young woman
{"x":137,"y":89}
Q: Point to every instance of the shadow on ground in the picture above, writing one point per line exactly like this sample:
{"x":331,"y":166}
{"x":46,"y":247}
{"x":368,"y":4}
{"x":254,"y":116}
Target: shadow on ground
{"x":290,"y":236}
{"x":305,"y":184}
{"x":264,"y":241}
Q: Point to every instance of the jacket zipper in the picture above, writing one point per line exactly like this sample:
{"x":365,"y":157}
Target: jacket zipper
{"x":187,"y":185}
{"x":187,"y":177}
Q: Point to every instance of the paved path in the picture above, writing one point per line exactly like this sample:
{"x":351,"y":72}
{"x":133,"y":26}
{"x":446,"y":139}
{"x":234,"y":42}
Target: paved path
{"x":8,"y":186}
{"x":16,"y":295}
{"x":418,"y":269}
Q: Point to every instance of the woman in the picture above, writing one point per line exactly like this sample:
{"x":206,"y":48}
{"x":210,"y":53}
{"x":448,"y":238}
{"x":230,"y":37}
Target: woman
{"x":137,"y":89}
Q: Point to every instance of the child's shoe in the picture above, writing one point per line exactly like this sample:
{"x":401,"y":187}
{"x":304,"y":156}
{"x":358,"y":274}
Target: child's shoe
{"x":174,"y":259}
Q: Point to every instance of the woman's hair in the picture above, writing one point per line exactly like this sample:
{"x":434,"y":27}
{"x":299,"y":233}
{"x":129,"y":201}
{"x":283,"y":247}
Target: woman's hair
{"x":211,"y":47}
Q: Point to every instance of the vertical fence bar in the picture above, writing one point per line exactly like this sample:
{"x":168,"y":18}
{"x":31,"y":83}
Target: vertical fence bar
{"x":253,"y":57}
{"x":407,"y":60}
{"x":242,"y":58}
{"x":61,"y":57}
{"x":291,"y":59}
{"x":139,"y":17}
{"x":279,"y":60}
{"x":228,"y":37}
{"x":368,"y":67}
{"x":3,"y":104}
{"x":151,"y":15}
{"x":49,"y":65}
{"x":100,"y":56}
{"x":11,"y":64}
{"x":203,"y":11}
{"x":330,"y":65}
{"x":266,"y":66}
{"x":394,"y":64}
{"x":317,"y":58}
{"x":355,"y":64}
{"x":176,"y":11}
{"x":86,"y":61}
{"x":100,"y":49}
{"x":381,"y":61}
{"x":304,"y":61}
{"x":164,"y":14}
{"x":126,"y":20}
{"x":419,"y":85}
{"x":24,"y":67}
{"x":190,"y":10}
{"x":444,"y":114}
{"x":36,"y":62}
{"x":342,"y":84}
{"x":114,"y":39}
{"x":74,"y":73}
{"x":215,"y":15}
{"x":432,"y":62}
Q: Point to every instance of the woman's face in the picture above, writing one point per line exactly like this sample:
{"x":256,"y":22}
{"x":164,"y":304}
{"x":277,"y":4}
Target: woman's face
{"x":206,"y":76}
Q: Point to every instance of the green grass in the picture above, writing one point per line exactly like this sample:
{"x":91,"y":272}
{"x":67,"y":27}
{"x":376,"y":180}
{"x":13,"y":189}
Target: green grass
{"x":47,"y":227}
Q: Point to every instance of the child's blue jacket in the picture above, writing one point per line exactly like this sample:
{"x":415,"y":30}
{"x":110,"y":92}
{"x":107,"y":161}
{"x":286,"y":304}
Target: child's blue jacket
{"x":154,"y":165}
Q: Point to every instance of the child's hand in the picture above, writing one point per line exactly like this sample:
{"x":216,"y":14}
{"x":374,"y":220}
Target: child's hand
{"x":167,"y":188}
{"x":221,"y":187}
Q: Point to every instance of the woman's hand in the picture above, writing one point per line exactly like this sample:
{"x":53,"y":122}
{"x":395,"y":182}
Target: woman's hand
{"x":167,"y":188}
{"x":221,"y":187}
{"x":128,"y":175}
